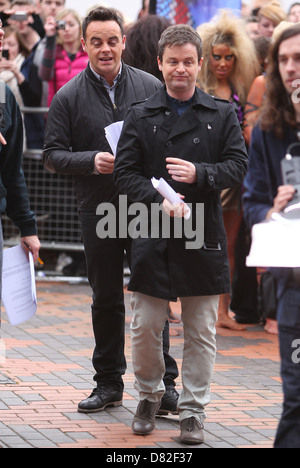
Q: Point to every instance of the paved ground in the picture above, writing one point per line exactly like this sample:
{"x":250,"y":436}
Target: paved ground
{"x":47,"y":370}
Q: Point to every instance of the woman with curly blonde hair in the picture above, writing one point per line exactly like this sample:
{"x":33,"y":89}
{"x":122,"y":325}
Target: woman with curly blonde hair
{"x":240,"y":65}
{"x":229,"y":67}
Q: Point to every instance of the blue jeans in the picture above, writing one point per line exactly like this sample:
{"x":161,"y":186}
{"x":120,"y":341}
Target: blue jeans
{"x":288,"y":433}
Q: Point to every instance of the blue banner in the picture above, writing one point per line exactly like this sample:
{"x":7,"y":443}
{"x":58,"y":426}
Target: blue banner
{"x":193,"y":12}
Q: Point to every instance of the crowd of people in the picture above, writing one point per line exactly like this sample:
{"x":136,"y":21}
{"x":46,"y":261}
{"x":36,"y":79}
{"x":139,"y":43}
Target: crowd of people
{"x":227,"y":85}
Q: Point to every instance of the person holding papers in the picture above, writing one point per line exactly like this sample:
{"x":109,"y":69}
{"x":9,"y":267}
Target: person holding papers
{"x":13,"y":191}
{"x":266,"y":194}
{"x":194,"y":142}
{"x":75,"y":144}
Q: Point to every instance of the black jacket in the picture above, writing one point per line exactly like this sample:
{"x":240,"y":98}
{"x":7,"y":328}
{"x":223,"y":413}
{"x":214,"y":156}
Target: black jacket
{"x":13,"y":191}
{"x":209,"y":135}
{"x":75,"y":132}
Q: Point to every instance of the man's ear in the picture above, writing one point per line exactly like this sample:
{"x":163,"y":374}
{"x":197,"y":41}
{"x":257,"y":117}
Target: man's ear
{"x":200,"y":64}
{"x":159,"y":64}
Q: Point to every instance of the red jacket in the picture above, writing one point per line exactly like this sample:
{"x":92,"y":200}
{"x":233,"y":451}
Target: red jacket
{"x":65,"y":69}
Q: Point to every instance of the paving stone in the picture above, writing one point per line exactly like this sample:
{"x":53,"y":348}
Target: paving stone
{"x":48,"y":370}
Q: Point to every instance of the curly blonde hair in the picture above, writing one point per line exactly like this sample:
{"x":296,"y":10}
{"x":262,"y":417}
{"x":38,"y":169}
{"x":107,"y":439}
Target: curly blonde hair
{"x":229,"y":30}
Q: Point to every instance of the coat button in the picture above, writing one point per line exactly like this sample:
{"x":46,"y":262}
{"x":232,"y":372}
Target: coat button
{"x":169,"y":144}
{"x":196,"y":141}
{"x":211,"y":179}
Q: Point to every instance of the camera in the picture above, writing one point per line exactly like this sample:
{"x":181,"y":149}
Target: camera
{"x":19,"y":16}
{"x":5,"y":54}
{"x":61,"y":25}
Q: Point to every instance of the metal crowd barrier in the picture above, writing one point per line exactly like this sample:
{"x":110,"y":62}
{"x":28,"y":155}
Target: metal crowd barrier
{"x":52,"y":198}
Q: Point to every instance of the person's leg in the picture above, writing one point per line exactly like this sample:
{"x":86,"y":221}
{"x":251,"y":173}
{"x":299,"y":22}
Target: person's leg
{"x":171,"y":373}
{"x":232,"y":221}
{"x":148,"y":322}
{"x":170,"y":398}
{"x":105,"y":273}
{"x":288,"y":433}
{"x":149,"y":317}
{"x":244,"y":294}
{"x":199,"y":316}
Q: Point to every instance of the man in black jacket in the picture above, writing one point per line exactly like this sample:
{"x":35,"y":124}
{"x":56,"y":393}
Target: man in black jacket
{"x":75,"y":143}
{"x":13,"y":191}
{"x":194,"y":142}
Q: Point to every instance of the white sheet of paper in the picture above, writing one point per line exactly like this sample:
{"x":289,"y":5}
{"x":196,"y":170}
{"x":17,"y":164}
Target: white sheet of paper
{"x":275,"y":243}
{"x":113,"y":133}
{"x":167,"y":192}
{"x":18,"y":285}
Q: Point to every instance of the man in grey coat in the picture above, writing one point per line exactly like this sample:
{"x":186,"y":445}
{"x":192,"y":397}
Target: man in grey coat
{"x":194,"y":142}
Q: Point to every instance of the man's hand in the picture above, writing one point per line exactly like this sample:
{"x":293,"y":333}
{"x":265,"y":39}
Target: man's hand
{"x":2,"y":139}
{"x":32,"y":244}
{"x":284,"y":195}
{"x":104,"y":163}
{"x":181,"y":170}
{"x":175,"y":211}
{"x":50,"y":26}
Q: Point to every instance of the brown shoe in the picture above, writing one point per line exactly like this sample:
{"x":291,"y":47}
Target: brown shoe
{"x":144,"y":419}
{"x":191,"y":431}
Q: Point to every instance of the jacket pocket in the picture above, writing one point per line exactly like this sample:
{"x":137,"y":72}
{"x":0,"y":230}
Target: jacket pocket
{"x":214,"y":231}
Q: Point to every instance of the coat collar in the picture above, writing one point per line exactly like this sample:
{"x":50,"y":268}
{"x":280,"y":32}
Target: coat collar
{"x":159,"y":100}
{"x":93,"y":76}
{"x":173,"y":124}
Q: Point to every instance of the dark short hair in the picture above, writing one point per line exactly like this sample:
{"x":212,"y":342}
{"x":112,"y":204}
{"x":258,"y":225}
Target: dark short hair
{"x":178,"y":35}
{"x":21,"y":2}
{"x":102,"y":14}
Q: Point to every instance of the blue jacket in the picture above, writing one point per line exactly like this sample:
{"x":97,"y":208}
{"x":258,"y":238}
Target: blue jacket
{"x":13,"y":190}
{"x":263,"y":179}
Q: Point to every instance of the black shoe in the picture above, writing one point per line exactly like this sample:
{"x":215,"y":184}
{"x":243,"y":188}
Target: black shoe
{"x":144,"y":419}
{"x":191,"y":431}
{"x":169,"y":402}
{"x":100,"y":399}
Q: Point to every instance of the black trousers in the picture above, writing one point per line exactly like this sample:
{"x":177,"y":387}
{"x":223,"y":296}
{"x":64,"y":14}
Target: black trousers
{"x":105,"y":265}
{"x":288,"y":432}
